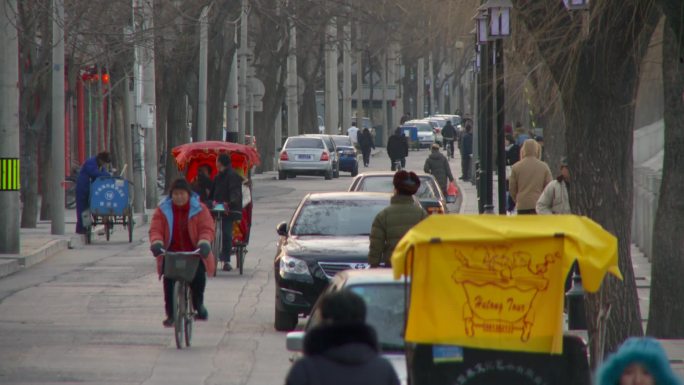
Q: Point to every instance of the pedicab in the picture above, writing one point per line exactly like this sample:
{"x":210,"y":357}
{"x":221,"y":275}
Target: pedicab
{"x":110,"y":204}
{"x":485,"y":297}
{"x":191,"y":156}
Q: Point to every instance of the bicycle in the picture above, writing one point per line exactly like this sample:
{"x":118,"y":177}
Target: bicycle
{"x":217,"y":212}
{"x":397,"y":165}
{"x":181,"y":266}
{"x":449,"y":144}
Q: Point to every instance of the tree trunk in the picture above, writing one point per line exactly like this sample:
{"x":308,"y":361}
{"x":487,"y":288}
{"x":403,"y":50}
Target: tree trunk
{"x":177,"y":133}
{"x":666,"y":307}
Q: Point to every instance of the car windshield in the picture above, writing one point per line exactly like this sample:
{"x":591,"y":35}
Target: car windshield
{"x":384,"y":184}
{"x":342,"y":141}
{"x":384,"y":312}
{"x":337,"y":217}
{"x":424,"y":127}
{"x":304,"y":143}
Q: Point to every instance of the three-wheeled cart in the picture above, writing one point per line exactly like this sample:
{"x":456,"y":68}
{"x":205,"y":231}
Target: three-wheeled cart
{"x":110,"y":204}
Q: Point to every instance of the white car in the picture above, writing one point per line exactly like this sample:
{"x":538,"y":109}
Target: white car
{"x":385,"y":312}
{"x":426,"y":134}
{"x":302,"y":155}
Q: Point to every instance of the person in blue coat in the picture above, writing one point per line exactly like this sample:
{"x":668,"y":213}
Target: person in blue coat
{"x":639,"y":361}
{"x":92,"y":168}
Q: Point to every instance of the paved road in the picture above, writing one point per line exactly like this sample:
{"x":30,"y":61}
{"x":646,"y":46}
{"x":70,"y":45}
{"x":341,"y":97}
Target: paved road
{"x":93,"y":315}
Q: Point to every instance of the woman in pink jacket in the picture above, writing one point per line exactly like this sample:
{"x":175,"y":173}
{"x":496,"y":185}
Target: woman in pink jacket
{"x":183,"y":223}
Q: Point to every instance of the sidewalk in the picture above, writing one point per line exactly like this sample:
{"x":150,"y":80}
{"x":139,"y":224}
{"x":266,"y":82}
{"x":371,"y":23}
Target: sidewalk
{"x":37,"y":245}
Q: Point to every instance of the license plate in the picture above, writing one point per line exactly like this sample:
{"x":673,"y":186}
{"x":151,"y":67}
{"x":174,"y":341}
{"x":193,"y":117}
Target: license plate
{"x":304,"y":157}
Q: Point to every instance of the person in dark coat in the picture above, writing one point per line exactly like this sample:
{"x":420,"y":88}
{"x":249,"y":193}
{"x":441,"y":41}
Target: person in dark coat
{"x":397,"y":148}
{"x":438,"y":165}
{"x":91,"y":169}
{"x":203,"y":184}
{"x":466,"y":152}
{"x":343,"y":349}
{"x":366,"y":144}
{"x":227,"y":190}
{"x":512,"y":157}
{"x":449,"y":136}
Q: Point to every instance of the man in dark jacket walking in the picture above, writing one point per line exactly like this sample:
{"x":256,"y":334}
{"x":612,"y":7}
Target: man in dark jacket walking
{"x":366,"y":144}
{"x":466,"y":152}
{"x":92,"y":169}
{"x":438,"y":165}
{"x":227,"y":190}
{"x":397,"y":148}
{"x":342,"y":349}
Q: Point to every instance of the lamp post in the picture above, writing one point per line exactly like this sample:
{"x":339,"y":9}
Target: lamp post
{"x":483,"y":133}
{"x":493,"y":25}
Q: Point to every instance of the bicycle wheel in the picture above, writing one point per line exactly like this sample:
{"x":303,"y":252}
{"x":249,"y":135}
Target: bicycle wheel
{"x":108,"y":227}
{"x":240,"y":254}
{"x":179,"y":304}
{"x":189,"y":316}
{"x":129,"y":218}
{"x":218,"y":243}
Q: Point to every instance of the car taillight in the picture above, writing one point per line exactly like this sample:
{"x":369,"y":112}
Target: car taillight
{"x":325,"y":156}
{"x":435,"y":210}
{"x":283,"y":156}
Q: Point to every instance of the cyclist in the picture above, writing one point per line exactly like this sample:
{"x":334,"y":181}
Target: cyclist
{"x":227,"y":190}
{"x":92,"y":169}
{"x":449,"y":135}
{"x":397,"y":148}
{"x":183,"y":223}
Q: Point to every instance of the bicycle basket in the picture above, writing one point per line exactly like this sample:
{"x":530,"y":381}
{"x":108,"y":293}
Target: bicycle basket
{"x":180,"y":267}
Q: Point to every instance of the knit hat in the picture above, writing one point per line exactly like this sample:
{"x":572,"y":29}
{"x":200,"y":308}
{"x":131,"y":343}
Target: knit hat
{"x":645,"y":351}
{"x":405,"y":182}
{"x":224,"y":159}
{"x":181,"y":184}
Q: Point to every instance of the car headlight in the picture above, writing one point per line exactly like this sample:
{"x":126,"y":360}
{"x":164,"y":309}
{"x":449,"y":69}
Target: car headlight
{"x":293,"y":265}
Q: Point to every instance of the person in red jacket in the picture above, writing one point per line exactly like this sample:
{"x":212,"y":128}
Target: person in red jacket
{"x":183,"y":223}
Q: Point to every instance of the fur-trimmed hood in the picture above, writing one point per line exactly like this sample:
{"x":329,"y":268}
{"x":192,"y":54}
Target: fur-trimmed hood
{"x":349,"y":343}
{"x":646,"y":351}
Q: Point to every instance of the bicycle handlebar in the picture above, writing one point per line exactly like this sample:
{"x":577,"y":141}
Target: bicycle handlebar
{"x":181,"y":253}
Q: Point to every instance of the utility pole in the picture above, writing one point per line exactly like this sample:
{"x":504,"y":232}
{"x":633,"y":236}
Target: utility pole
{"x":149,"y":106}
{"x":135,"y":93}
{"x":202,"y":97}
{"x":9,"y":131}
{"x":359,"y":88}
{"x":383,"y":80}
{"x":291,"y":81}
{"x":57,"y":123}
{"x":243,"y":71}
{"x":431,"y":87}
{"x":420,"y":87}
{"x":346,"y":76}
{"x":331,"y":86}
{"x":397,"y":81}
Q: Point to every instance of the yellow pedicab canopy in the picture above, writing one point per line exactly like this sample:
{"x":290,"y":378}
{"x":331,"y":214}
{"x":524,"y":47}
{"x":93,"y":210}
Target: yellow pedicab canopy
{"x":497,"y":282}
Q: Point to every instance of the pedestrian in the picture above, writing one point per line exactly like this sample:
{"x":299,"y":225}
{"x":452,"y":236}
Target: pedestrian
{"x":91,"y":169}
{"x":520,"y":134}
{"x":397,"y":148}
{"x":528,"y":179}
{"x":512,"y":157}
{"x":366,"y":143}
{"x":405,"y":118}
{"x":639,"y":361}
{"x":203,"y":184}
{"x":343,"y":348}
{"x":353,"y":133}
{"x":438,"y":165}
{"x":555,"y":199}
{"x":392,"y":222}
{"x":449,"y":135}
{"x":227,"y":190}
{"x":466,"y":152}
{"x":183,"y":223}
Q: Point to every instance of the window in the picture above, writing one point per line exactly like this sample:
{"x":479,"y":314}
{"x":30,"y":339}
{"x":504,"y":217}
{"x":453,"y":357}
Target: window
{"x":384,"y":312}
{"x":337,"y":217}
{"x":304,"y":143}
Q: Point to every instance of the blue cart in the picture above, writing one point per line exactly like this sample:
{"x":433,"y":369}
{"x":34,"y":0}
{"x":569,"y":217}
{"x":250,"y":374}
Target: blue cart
{"x":110,"y":204}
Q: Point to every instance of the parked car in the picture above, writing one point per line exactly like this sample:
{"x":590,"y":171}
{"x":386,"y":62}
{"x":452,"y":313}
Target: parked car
{"x":334,"y":156}
{"x":429,"y":194}
{"x":303,"y":155}
{"x":426,"y":135}
{"x":349,"y":157}
{"x":328,"y":233}
{"x":384,"y":298}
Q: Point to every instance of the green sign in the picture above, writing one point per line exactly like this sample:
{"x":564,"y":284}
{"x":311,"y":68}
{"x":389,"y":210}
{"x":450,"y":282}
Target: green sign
{"x":9,"y":174}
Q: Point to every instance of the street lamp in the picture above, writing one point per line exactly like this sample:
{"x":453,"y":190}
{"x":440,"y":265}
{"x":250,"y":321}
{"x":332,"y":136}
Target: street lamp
{"x":493,"y":24}
{"x":576,"y":5}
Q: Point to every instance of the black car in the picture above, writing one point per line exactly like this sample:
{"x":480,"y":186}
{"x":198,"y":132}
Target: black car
{"x":328,"y":233}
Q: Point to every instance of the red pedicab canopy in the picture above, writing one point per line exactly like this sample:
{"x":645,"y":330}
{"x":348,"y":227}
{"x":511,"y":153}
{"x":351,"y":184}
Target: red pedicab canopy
{"x":190,"y":156}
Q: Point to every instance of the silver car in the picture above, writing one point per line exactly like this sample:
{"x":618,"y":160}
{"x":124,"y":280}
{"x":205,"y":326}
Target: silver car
{"x":302,"y":155}
{"x":384,"y":297}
